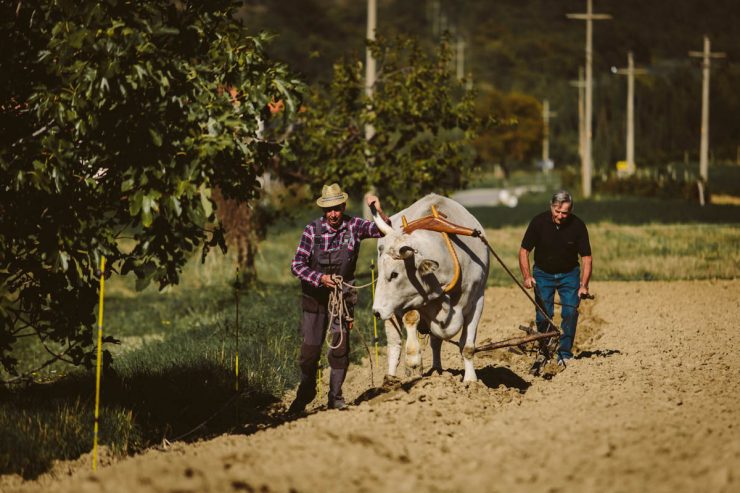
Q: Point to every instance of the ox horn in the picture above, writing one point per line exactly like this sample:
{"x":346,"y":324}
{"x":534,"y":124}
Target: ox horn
{"x":382,"y":225}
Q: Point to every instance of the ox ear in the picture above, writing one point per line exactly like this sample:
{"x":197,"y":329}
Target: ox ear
{"x":427,"y":267}
{"x":406,"y":252}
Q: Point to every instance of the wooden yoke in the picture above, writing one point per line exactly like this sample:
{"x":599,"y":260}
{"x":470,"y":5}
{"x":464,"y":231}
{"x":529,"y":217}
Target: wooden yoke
{"x":438,"y":222}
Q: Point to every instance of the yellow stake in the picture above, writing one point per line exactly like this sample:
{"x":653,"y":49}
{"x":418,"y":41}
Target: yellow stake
{"x":318,"y":380}
{"x":237,"y":370}
{"x":375,"y":320}
{"x":97,"y":372}
{"x":237,"y":285}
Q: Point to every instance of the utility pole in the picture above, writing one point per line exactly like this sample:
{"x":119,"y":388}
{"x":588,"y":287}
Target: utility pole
{"x":586,"y":159}
{"x":369,"y":86}
{"x":370,"y":60}
{"x":546,"y":115}
{"x":434,"y":14}
{"x":706,"y":57}
{"x":581,"y":85}
{"x":630,"y":72}
{"x":460,"y":58}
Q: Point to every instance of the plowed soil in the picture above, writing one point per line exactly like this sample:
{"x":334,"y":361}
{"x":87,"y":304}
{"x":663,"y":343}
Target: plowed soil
{"x":650,"y":403}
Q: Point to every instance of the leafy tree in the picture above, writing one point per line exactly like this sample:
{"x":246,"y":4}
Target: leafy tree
{"x":531,"y":47}
{"x":423,"y":120}
{"x":117,"y":119}
{"x":517,"y":135}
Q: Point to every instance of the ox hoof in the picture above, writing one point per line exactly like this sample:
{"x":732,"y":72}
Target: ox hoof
{"x":413,"y":360}
{"x":470,"y":378}
{"x":391,"y":381}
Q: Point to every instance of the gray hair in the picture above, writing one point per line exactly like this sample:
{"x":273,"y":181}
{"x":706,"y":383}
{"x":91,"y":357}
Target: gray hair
{"x":562,"y":196}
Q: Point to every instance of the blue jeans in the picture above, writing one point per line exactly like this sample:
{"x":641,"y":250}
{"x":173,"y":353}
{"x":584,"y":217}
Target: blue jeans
{"x":567,"y":285}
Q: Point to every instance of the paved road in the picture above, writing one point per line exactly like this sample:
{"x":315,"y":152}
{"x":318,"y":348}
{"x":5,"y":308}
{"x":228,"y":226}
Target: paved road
{"x":489,"y":197}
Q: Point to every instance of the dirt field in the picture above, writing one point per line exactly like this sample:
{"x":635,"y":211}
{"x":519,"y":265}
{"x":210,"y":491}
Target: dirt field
{"x":651,"y":403}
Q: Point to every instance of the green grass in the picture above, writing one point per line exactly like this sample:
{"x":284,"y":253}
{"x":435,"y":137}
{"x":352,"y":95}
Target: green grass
{"x":631,"y":238}
{"x":36,"y":431}
{"x":629,"y":253}
{"x":174,"y":368}
{"x":175,"y":365}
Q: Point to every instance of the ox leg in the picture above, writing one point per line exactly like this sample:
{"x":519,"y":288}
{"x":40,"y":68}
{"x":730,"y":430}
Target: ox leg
{"x":393,"y":336}
{"x":436,"y":344}
{"x":413,"y":349}
{"x":467,"y":342}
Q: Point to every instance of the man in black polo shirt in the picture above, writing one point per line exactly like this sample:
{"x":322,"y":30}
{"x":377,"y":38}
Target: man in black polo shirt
{"x":558,"y":237}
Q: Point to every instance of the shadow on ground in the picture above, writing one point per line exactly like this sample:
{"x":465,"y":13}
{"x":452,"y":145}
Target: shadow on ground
{"x":491,"y":376}
{"x":598,"y":353}
{"x":41,"y":423}
{"x":496,"y":376}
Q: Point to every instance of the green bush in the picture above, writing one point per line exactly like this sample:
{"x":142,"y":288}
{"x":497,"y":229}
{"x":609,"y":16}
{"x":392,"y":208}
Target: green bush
{"x":665,"y":183}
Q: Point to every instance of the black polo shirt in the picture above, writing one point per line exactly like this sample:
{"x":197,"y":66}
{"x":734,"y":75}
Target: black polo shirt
{"x":556,"y":248}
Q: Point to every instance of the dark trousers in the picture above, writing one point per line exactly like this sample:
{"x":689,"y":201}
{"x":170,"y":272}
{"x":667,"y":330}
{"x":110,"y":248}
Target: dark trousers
{"x":313,"y":330}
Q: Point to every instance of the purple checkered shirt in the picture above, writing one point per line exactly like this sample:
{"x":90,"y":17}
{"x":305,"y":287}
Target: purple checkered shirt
{"x":358,"y":229}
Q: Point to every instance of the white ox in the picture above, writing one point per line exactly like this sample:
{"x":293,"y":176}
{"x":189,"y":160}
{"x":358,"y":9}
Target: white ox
{"x":413,"y":270}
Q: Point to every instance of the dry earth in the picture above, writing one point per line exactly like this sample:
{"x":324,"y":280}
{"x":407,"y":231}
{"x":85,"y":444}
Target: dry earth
{"x":651,"y":403}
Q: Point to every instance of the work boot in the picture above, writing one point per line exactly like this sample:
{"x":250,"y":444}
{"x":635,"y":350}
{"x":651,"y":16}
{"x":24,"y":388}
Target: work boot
{"x":336,"y":379}
{"x":297,"y":407}
{"x":305,"y":394}
{"x":338,"y":404}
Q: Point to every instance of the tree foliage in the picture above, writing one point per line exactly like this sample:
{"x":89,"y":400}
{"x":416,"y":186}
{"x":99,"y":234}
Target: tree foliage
{"x":117,"y":119}
{"x":532,"y":48}
{"x":423,"y":123}
{"x":517,"y":135}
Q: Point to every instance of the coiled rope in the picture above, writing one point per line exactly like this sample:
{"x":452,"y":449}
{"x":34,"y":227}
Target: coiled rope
{"x":338,"y":310}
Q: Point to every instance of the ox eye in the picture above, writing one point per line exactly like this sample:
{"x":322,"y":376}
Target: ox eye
{"x":394,"y":275}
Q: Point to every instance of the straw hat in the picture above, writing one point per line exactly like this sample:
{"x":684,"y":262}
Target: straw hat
{"x":331,"y":195}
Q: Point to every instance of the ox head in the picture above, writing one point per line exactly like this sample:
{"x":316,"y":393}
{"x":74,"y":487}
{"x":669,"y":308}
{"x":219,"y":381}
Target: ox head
{"x":406,"y":277}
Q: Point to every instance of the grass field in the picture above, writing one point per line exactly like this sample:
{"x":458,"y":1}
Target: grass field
{"x":173,"y":375}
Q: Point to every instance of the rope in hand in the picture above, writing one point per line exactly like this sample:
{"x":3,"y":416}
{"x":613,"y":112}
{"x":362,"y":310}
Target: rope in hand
{"x":339,"y":309}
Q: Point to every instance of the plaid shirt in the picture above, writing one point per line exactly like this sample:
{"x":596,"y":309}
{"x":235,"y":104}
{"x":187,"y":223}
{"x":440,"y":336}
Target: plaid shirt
{"x":331,"y":240}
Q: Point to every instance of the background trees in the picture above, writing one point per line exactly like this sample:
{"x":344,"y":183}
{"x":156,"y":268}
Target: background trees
{"x":516,"y":136}
{"x":423,"y":118}
{"x":529,"y":47}
{"x":117,"y":121}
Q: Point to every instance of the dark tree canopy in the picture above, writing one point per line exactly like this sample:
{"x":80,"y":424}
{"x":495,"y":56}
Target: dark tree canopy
{"x":117,"y":120}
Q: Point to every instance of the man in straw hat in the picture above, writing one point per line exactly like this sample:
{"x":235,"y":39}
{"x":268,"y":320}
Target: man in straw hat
{"x":329,"y":246}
